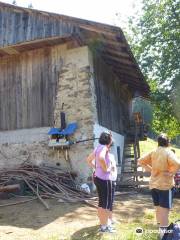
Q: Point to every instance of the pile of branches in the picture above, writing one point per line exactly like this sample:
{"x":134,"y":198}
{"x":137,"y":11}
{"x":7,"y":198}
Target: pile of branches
{"x":44,"y":182}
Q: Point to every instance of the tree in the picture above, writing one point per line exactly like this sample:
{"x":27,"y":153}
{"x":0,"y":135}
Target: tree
{"x":155,"y":39}
{"x":144,"y":107}
{"x":159,"y":41}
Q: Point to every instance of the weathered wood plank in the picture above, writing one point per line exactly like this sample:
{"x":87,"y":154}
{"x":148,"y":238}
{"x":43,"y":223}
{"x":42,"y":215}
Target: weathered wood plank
{"x":28,"y":83}
{"x":10,"y":188}
{"x":110,"y":94}
{"x":24,"y":26}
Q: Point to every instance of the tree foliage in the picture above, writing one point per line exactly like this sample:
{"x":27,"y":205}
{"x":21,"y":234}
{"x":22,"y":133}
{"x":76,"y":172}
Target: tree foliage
{"x":155,"y":40}
{"x":144,"y":107}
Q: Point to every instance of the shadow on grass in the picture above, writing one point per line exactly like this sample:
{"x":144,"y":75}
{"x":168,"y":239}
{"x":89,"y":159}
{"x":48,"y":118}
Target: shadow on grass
{"x":124,"y":232}
{"x":89,"y":233}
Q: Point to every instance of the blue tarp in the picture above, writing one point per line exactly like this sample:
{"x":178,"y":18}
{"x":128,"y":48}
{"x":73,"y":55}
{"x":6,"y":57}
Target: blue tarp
{"x":70,"y":129}
{"x":54,"y":131}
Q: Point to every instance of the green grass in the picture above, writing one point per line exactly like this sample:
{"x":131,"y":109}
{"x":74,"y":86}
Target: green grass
{"x":149,"y":145}
{"x":125,"y":230}
{"x":149,"y":216}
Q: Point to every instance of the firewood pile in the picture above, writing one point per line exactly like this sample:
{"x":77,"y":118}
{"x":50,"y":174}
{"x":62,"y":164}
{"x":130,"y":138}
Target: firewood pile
{"x":42,"y":182}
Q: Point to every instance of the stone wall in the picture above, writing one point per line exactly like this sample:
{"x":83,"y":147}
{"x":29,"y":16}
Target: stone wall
{"x":23,"y":145}
{"x":76,"y":91}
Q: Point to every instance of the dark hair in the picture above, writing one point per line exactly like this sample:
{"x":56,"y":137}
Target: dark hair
{"x":163,"y":140}
{"x":105,"y":138}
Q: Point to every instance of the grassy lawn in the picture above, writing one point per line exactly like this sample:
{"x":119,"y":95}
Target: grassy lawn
{"x":125,"y":230}
{"x":146,"y":146}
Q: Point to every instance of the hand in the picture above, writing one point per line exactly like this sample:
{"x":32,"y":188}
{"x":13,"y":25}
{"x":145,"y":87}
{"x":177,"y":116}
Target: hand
{"x":112,"y":169}
{"x":147,"y":168}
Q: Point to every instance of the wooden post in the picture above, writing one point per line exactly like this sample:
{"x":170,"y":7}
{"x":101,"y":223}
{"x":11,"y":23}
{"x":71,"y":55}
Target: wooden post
{"x":10,"y":188}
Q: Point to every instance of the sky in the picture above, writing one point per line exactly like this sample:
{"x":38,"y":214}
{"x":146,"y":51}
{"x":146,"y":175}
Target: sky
{"x":103,"y":11}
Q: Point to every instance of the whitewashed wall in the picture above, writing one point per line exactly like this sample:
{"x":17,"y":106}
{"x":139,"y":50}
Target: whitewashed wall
{"x":118,"y":142}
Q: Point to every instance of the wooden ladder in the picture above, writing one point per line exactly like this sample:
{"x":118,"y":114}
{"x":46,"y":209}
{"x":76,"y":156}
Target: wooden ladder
{"x":130,"y":175}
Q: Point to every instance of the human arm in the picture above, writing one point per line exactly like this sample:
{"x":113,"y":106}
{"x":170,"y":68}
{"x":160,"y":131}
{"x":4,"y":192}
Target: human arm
{"x":145,"y":162}
{"x":102,"y":160}
{"x":90,"y":159}
{"x":173,"y":163}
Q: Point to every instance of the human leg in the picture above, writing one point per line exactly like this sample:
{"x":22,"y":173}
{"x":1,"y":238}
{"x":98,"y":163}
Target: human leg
{"x":163,"y":216}
{"x":165,"y":204}
{"x":157,"y":212}
{"x":102,"y":190}
{"x":103,"y":215}
{"x":112,"y":202}
{"x":155,"y":198}
{"x":162,"y":210}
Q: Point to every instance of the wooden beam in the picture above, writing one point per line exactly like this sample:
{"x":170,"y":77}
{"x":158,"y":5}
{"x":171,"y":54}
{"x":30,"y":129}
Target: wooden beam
{"x":110,"y":42}
{"x":9,"y":51}
{"x":90,"y":36}
{"x":126,"y":73}
{"x":117,"y":64}
{"x":36,"y":42}
{"x":120,"y":60}
{"x":116,"y":52}
{"x":123,"y":69}
{"x":97,"y":28}
{"x":123,"y":73}
{"x":10,"y":188}
{"x":133,"y":83}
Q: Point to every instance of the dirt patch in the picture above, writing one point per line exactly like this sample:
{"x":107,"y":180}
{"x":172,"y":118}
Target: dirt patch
{"x":31,"y":221}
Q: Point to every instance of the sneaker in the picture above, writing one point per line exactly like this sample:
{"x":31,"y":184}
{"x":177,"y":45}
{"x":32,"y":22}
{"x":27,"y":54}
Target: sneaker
{"x":102,"y":229}
{"x":110,"y":229}
{"x":111,"y":226}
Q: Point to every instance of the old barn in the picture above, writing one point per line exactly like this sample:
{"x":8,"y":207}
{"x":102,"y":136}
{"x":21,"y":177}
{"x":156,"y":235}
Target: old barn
{"x":49,"y":64}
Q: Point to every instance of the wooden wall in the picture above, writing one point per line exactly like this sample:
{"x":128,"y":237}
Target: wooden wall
{"x":113,"y":98}
{"x":28,"y":88}
{"x":20,"y":25}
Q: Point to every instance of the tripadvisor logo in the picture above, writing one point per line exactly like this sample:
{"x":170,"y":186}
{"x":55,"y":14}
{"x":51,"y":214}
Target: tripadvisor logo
{"x":139,"y":231}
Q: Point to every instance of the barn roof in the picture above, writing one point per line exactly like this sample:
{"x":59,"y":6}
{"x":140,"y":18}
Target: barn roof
{"x":108,"y":41}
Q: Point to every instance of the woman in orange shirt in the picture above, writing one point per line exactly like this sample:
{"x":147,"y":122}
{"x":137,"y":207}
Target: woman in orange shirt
{"x":163,"y":164}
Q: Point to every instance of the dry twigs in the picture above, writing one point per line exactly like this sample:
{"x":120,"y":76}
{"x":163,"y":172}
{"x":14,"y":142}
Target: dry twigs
{"x":44,"y":182}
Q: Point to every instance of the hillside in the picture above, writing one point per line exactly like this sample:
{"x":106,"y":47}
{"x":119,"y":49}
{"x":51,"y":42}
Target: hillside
{"x":146,"y":146}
